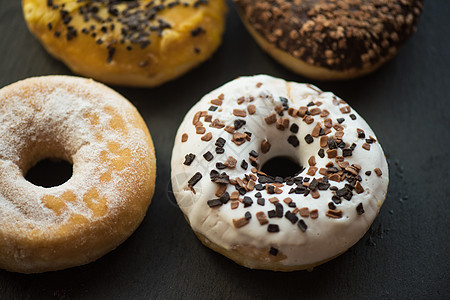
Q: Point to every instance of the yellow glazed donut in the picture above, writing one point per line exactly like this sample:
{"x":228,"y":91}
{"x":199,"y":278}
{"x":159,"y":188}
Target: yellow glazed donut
{"x":331,"y":39}
{"x":113,"y":180}
{"x":265,"y":221}
{"x":134,"y":43}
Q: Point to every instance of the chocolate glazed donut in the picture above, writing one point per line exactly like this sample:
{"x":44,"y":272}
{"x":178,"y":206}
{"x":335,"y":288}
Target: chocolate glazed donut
{"x":331,"y":39}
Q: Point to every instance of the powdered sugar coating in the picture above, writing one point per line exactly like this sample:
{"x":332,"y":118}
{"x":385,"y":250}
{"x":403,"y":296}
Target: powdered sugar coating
{"x":98,"y":131}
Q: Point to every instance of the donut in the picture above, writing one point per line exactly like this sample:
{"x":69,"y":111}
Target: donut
{"x":105,"y":139}
{"x":330,"y":39}
{"x":261,"y":220}
{"x":141,"y":43}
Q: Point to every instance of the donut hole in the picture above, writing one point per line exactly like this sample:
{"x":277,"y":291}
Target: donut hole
{"x":282,"y":166}
{"x":50,"y":172}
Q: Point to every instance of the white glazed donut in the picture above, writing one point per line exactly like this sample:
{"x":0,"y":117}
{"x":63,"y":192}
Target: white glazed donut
{"x":274,"y":223}
{"x":108,"y":143}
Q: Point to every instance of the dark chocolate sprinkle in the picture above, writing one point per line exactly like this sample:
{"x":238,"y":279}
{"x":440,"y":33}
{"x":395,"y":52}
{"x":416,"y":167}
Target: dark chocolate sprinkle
{"x":368,"y":173}
{"x":261,"y":201}
{"x":238,"y":123}
{"x":248,"y":215}
{"x":347,"y":152}
{"x":272,"y":213}
{"x":225,"y":197}
{"x":321,"y":153}
{"x":220,"y":142}
{"x":336,"y":199}
{"x":220,"y":166}
{"x":220,"y":150}
{"x":188,"y":159}
{"x":273,"y":228}
{"x":302,"y":225}
{"x":219,"y":178}
{"x":273,"y":251}
{"x":196,"y":178}
{"x":293,"y":140}
{"x":309,"y":139}
{"x":208,"y":156}
{"x":253,"y":153}
{"x":270,"y":189}
{"x":294,"y":128}
{"x":258,"y":195}
{"x":292,"y":204}
{"x":244,"y":165}
{"x":291,"y":217}
{"x":214,"y":203}
{"x":259,"y":187}
{"x":340,"y":120}
{"x":212,"y":108}
{"x":197,"y":31}
{"x":331,"y":206}
{"x":332,"y":144}
{"x":278,"y":210}
{"x":360,"y":209}
{"x":352,"y":116}
{"x":247,"y":201}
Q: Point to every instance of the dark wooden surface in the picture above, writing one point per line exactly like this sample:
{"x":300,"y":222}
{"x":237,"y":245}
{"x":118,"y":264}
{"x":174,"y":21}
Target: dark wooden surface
{"x":405,"y":255}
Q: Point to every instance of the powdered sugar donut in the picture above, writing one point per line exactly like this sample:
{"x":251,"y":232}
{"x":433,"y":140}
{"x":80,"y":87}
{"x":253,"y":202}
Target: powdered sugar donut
{"x":266,"y":222}
{"x":108,"y":143}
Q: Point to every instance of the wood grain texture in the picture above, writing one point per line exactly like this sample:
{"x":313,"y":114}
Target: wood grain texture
{"x":406,"y":103}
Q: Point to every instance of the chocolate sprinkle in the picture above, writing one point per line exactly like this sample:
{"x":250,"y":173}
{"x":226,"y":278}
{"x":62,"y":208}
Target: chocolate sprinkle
{"x":360,"y":209}
{"x":309,"y":139}
{"x":293,"y":140}
{"x":214,"y":203}
{"x":291,"y":217}
{"x":273,"y":228}
{"x":273,"y":251}
{"x":208,"y":156}
{"x":188,"y":159}
{"x":196,"y":178}
{"x":261,"y":201}
{"x":247,"y":201}
{"x":302,"y":225}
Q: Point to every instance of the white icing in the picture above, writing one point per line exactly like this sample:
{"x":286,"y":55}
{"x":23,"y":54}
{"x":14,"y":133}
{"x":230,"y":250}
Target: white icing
{"x":325,"y":237}
{"x":52,"y":110}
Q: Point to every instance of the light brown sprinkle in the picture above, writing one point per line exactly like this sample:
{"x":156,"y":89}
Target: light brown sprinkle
{"x":366,"y":146}
{"x":239,"y":113}
{"x":345,"y":110}
{"x":207,"y":137}
{"x":274,"y":200}
{"x":240,"y":222}
{"x":323,"y":141}
{"x":184,"y":137}
{"x":234,"y":204}
{"x":315,"y":111}
{"x":200,"y":130}
{"x":271,"y":119}
{"x":308,"y":119}
{"x":312,"y":161}
{"x":251,"y":109}
{"x":311,"y":171}
{"x":316,"y":130}
{"x":378,"y":171}
{"x":332,"y":153}
{"x":262,"y":219}
{"x":304,"y":212}
{"x":287,"y":200}
{"x":314,"y":214}
{"x":265,"y":146}
{"x":358,"y":187}
{"x":302,"y":111}
{"x":335,"y":214}
{"x":234,"y":195}
{"x":222,"y":187}
{"x":230,"y":162}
